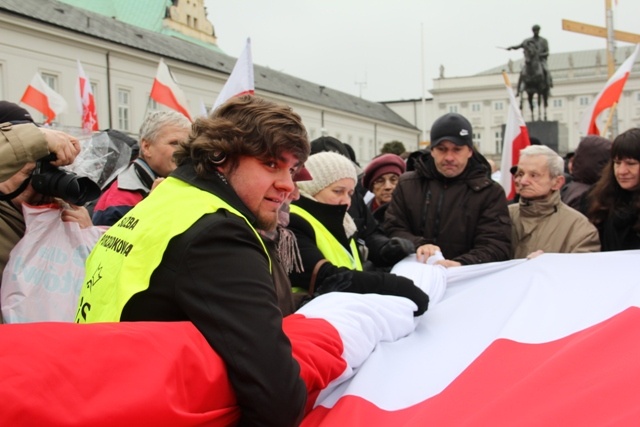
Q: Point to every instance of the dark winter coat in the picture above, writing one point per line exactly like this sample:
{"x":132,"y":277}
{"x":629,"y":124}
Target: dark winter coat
{"x":466,"y":216}
{"x":592,"y":155}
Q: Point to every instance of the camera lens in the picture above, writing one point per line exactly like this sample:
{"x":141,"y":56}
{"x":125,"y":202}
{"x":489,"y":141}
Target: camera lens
{"x":51,"y":181}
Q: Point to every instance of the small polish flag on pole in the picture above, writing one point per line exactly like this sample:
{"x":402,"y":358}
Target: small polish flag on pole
{"x":241,"y":81}
{"x":166,"y":91}
{"x":43,"y":98}
{"x":516,"y":137}
{"x":86,"y":102}
{"x":607,"y":97}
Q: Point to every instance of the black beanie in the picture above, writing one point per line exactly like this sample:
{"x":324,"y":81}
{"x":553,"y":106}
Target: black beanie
{"x":10,"y":112}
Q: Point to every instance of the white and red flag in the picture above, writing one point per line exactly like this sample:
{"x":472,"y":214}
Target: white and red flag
{"x":607,"y":96}
{"x":550,"y":341}
{"x":516,"y":137}
{"x":86,"y":101}
{"x":166,"y":91}
{"x":544,"y":342}
{"x":240,"y":81}
{"x":43,"y":98}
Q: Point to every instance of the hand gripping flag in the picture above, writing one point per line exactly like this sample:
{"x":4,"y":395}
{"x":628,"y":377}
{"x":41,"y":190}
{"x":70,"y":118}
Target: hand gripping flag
{"x":166,"y":91}
{"x":86,"y":101}
{"x":241,"y":81}
{"x":43,"y":98}
{"x":516,"y":137}
{"x":607,"y":96}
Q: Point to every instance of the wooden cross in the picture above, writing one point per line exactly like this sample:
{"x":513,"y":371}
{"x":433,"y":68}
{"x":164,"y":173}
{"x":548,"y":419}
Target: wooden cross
{"x":604,"y":32}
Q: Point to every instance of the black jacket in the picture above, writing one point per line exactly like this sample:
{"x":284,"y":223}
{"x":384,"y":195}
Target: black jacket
{"x":466,"y":216}
{"x":216,"y":274}
{"x":320,"y":277}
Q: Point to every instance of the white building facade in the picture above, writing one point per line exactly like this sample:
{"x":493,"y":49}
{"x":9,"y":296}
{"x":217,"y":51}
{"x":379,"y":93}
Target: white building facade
{"x":48,"y":37}
{"x":578,"y":77}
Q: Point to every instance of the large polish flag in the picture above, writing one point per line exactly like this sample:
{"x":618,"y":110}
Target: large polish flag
{"x":43,"y":98}
{"x":241,"y":80}
{"x":166,"y":374}
{"x":607,"y":96}
{"x":86,"y":101}
{"x":166,"y":91}
{"x":550,"y":341}
{"x":516,"y":137}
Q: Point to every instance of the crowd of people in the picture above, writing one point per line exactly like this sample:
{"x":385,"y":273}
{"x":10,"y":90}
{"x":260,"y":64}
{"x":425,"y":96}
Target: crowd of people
{"x":237,"y":219}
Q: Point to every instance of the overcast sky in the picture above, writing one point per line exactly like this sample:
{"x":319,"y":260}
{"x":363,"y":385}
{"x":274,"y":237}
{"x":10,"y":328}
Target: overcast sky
{"x":373,"y":48}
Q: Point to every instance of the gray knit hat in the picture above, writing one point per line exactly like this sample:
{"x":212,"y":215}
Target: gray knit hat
{"x":326,"y":168}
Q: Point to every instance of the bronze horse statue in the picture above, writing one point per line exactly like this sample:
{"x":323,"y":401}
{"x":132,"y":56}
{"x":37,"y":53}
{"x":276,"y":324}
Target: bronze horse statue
{"x":533,"y":81}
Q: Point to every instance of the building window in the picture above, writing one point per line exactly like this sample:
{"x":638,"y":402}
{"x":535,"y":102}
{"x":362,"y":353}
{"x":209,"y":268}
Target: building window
{"x":52,"y":81}
{"x":637,"y":96}
{"x":498,"y":106}
{"x":476,"y":107}
{"x":195,"y":23}
{"x":498,"y":140}
{"x":94,"y":90}
{"x":477,"y":138}
{"x":124,"y":101}
{"x":583,"y":101}
{"x":453,"y":108}
{"x":1,"y":85}
{"x":557,"y":103}
{"x":188,"y":20}
{"x":152,"y":105}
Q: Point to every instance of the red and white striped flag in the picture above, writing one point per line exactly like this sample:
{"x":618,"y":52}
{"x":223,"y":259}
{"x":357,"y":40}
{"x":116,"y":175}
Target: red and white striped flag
{"x":166,"y":91}
{"x":180,"y":381}
{"x":516,"y":137}
{"x":43,"y":98}
{"x":544,"y":342}
{"x":86,"y":101}
{"x":240,"y":81}
{"x":607,"y":96}
{"x":550,"y":341}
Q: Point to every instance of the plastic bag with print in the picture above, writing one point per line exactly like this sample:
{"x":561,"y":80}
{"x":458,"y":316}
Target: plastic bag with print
{"x":45,"y":271}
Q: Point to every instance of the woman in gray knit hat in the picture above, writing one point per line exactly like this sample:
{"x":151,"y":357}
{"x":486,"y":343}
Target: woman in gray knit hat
{"x":324,"y":231}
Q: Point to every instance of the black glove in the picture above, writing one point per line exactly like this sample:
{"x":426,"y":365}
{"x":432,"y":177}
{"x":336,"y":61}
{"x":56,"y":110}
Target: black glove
{"x":403,"y":287}
{"x":370,"y":282}
{"x":396,"y":249}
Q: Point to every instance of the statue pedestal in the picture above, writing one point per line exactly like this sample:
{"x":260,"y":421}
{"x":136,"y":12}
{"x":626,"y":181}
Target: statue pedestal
{"x":553,"y":134}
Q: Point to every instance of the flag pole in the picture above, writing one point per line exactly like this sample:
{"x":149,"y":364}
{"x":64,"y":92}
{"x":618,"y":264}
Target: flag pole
{"x":506,"y":78}
{"x":612,"y":112}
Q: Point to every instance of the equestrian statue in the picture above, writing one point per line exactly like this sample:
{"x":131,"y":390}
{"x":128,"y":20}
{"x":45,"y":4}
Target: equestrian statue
{"x":535,"y":78}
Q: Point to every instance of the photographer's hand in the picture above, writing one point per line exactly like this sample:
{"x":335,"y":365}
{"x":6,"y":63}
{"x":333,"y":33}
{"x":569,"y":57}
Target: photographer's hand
{"x":79,"y":214}
{"x":63,"y":145}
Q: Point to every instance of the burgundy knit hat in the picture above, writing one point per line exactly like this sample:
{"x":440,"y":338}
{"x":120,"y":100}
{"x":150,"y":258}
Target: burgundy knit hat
{"x":387,"y":163}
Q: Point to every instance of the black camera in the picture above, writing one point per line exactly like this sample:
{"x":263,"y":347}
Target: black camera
{"x":52,"y":181}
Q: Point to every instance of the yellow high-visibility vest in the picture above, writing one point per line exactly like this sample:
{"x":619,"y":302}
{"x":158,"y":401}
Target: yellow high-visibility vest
{"x":330,"y":247}
{"x":124,"y":258}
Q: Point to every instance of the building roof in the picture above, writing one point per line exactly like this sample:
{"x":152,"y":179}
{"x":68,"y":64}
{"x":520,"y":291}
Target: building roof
{"x":63,"y":15}
{"x":147,"y":14}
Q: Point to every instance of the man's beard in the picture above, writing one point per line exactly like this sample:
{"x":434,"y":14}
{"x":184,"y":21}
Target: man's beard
{"x":266,"y":223}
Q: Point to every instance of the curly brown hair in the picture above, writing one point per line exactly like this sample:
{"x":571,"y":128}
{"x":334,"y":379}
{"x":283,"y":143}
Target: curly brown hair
{"x":607,"y":193}
{"x":243,"y":126}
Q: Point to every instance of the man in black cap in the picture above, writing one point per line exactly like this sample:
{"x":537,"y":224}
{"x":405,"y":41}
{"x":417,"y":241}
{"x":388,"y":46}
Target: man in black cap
{"x":449,"y":203}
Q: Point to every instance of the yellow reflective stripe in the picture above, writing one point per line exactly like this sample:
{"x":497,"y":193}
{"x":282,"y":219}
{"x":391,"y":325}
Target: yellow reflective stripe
{"x":330,"y":247}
